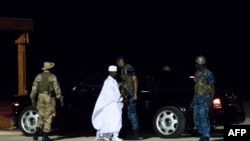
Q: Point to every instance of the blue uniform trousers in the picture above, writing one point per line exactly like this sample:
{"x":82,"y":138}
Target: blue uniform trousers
{"x":201,"y":114}
{"x":132,"y":114}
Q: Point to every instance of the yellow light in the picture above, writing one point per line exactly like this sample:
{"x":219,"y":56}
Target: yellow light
{"x":16,"y":104}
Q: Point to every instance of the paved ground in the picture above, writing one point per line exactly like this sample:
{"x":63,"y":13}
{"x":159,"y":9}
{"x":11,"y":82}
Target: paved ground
{"x":15,"y":135}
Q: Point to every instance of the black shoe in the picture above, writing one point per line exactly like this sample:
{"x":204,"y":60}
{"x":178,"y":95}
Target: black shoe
{"x":205,"y":139}
{"x":35,"y":137}
{"x":136,"y":135}
{"x":37,"y":133}
{"x":134,"y":138}
{"x":137,"y":138}
{"x":46,"y":138}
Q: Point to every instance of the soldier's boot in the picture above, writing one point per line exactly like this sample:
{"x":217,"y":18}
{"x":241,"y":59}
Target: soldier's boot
{"x":136,"y":135}
{"x":205,"y":139}
{"x":46,"y":137}
{"x":37,"y":133}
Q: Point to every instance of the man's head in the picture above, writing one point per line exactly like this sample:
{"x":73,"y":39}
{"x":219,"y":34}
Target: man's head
{"x":112,"y":70}
{"x":166,"y":68}
{"x":48,"y":65}
{"x":200,"y":62}
{"x":120,"y":61}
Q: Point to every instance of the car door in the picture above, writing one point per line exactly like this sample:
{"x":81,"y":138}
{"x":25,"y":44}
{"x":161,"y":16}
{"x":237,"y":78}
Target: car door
{"x":80,"y":101}
{"x":147,"y":99}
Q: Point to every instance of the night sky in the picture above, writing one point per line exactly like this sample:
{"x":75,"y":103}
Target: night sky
{"x":86,"y":37}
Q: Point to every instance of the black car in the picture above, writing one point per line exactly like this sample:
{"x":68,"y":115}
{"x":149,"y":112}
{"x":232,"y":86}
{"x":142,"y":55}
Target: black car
{"x":163,"y":105}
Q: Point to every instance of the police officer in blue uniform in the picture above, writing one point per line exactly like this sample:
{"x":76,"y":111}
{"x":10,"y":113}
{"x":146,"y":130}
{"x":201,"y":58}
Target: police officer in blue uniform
{"x":203,"y":96}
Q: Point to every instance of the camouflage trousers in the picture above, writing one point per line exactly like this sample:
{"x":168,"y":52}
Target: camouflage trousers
{"x":132,"y":114}
{"x":201,"y":114}
{"x":46,"y":109}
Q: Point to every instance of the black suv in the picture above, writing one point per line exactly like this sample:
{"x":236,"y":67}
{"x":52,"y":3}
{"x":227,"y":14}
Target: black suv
{"x":163,"y":105}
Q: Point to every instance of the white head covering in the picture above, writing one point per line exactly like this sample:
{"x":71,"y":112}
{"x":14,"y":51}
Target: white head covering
{"x":112,"y":68}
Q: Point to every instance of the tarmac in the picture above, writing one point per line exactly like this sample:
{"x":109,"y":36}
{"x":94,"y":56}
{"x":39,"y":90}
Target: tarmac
{"x":16,"y":135}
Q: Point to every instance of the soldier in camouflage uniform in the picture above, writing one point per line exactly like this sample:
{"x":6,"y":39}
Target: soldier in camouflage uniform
{"x":44,"y":85}
{"x":204,"y":93}
{"x":128,"y":88}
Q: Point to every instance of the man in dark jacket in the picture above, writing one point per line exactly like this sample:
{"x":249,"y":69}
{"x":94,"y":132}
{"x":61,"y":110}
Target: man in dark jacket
{"x":129,"y":88}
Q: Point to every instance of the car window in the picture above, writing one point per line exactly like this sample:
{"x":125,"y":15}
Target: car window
{"x":147,"y":83}
{"x":173,"y":82}
{"x":91,"y":85}
{"x":95,"y":80}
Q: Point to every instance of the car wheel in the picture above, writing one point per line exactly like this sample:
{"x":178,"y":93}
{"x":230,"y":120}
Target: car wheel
{"x":27,"y":121}
{"x":169,"y":122}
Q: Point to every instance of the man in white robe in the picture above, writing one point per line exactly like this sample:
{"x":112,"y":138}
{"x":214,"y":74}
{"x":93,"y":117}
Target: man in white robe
{"x":107,"y":114}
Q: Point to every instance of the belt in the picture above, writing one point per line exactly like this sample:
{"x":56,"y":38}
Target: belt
{"x":44,"y":92}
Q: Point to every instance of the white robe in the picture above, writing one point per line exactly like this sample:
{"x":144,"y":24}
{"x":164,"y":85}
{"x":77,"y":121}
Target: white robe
{"x":107,"y":114}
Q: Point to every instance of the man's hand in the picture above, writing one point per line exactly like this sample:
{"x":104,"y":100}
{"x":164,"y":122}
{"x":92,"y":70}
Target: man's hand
{"x":192,"y":105}
{"x":135,"y":96}
{"x":210,"y":102}
{"x":62,"y":103}
{"x":33,"y":103}
{"x":124,"y":99}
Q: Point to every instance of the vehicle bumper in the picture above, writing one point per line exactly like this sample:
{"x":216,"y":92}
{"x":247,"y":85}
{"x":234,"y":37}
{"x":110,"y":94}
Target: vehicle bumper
{"x":15,"y":115}
{"x":221,"y":117}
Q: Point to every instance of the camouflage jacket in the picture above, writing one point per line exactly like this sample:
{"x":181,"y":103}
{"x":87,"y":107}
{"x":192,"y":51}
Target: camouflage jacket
{"x":53,"y":86}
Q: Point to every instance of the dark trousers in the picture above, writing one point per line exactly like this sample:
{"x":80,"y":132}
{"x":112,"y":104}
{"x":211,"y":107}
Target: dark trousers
{"x":132,"y":114}
{"x":201,"y":114}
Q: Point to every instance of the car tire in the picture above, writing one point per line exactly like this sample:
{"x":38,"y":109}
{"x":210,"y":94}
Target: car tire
{"x":169,"y":122}
{"x":27,"y":121}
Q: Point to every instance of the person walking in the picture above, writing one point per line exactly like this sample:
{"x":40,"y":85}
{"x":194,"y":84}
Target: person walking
{"x":107,"y":113}
{"x":44,"y":86}
{"x":203,"y":97}
{"x":128,"y":88}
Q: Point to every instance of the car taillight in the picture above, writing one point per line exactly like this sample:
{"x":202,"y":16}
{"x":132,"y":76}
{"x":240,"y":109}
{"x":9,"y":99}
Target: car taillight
{"x":16,"y":104}
{"x":192,"y":77}
{"x":217,"y":103}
